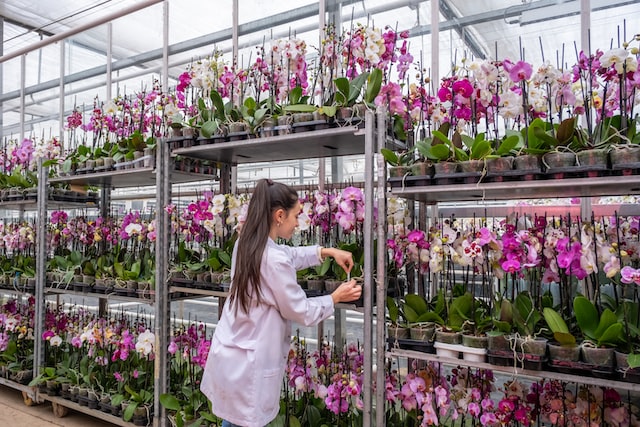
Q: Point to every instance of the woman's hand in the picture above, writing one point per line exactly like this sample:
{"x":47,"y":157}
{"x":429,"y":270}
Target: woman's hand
{"x":343,"y":258}
{"x":347,"y":292}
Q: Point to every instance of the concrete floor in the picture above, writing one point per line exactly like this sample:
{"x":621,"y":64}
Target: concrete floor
{"x":14,"y":411}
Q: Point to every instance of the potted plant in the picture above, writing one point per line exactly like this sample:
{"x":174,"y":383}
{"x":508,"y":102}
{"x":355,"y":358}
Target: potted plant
{"x":442,"y":151}
{"x":317,"y":274}
{"x":422,"y":317}
{"x":602,"y":332}
{"x":396,"y":324}
{"x":449,"y":336}
{"x":500,"y":336}
{"x":473,"y":160}
{"x":527,"y":318}
{"x":399,"y":162}
{"x":564,"y":348}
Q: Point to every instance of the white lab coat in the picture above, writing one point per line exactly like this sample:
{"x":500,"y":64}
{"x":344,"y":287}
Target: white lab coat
{"x":246,"y":364}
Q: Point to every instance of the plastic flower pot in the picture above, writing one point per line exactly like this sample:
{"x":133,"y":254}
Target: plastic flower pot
{"x":397,"y":332}
{"x":497,"y":165}
{"x":472,"y":354}
{"x":600,"y":356}
{"x":445,"y":168}
{"x":563,"y":352}
{"x":475,"y":341}
{"x":422,"y":332}
{"x":449,"y":351}
{"x":556,"y":160}
{"x":446,"y":337}
{"x":625,"y":157}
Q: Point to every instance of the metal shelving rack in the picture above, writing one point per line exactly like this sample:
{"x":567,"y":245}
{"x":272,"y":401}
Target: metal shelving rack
{"x":349,"y":139}
{"x":509,"y":190}
{"x":42,"y":202}
{"x":161,"y":177}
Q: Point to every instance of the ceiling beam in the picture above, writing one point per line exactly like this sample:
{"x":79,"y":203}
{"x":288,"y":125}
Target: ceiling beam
{"x":467,"y":37}
{"x":26,"y":26}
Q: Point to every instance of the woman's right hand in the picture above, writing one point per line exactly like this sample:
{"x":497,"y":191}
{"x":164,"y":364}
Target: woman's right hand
{"x":347,"y":292}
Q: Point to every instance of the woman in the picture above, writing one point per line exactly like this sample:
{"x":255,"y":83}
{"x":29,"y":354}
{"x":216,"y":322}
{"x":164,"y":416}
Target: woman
{"x":246,"y":363}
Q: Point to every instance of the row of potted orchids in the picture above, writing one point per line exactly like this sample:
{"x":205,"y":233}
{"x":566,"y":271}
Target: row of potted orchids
{"x":117,"y":254}
{"x":109,"y":361}
{"x":483,"y":111}
{"x":529,"y":278}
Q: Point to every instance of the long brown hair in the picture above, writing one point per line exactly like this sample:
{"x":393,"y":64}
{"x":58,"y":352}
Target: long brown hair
{"x":267,"y":197}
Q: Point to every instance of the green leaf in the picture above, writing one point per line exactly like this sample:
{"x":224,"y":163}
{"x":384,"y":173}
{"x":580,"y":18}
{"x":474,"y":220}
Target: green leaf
{"x":342,"y":91}
{"x":295,"y":95}
{"x":170,"y":402}
{"x":545,"y":137}
{"x":209,"y":128}
{"x":410,"y":314}
{"x":250,"y":103}
{"x":398,"y":128}
{"x":586,"y":316}
{"x":392,"y":309}
{"x":314,"y":418}
{"x":294,"y":421}
{"x":555,"y":322}
{"x":634,"y":360}
{"x":607,"y":319}
{"x":502,"y":326}
{"x":430,"y":317}
{"x":389,"y":156}
{"x":417,"y":303}
{"x":218,"y":103}
{"x":329,"y":110}
{"x":468,"y":141}
{"x":117,"y":399}
{"x":440,"y":152}
{"x":374,"y":82}
{"x":355,"y":87}
{"x":209,"y":417}
{"x":119,"y":269}
{"x":564,"y":339}
{"x":506,"y":311}
{"x":128,"y":412}
{"x":612,"y":336}
{"x":300,"y":108}
{"x":459,"y":311}
{"x":278,"y":421}
{"x":440,"y":138}
{"x":507,"y":145}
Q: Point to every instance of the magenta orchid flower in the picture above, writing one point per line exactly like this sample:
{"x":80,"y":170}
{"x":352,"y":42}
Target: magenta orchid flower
{"x":630,"y":275}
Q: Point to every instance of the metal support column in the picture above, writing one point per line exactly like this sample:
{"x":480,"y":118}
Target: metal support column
{"x":322,"y":163}
{"x":234,"y":31}
{"x":41,"y":268}
{"x":1,"y":71}
{"x":23,"y":71}
{"x":105,"y":202}
{"x":162,"y":305}
{"x":368,"y":268}
{"x":109,"y":76}
{"x":435,"y":45}
{"x":381,"y":268}
{"x":61,"y":100}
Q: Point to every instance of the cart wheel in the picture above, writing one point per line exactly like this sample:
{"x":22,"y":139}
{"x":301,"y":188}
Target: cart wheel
{"x":28,"y":401}
{"x":59,"y":411}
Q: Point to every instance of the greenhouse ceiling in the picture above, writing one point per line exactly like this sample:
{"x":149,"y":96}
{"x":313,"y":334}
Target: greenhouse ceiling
{"x":534,"y":30}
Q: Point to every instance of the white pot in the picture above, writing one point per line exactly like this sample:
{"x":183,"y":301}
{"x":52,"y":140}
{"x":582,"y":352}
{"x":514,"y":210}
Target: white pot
{"x":472,"y":354}
{"x":449,"y":351}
